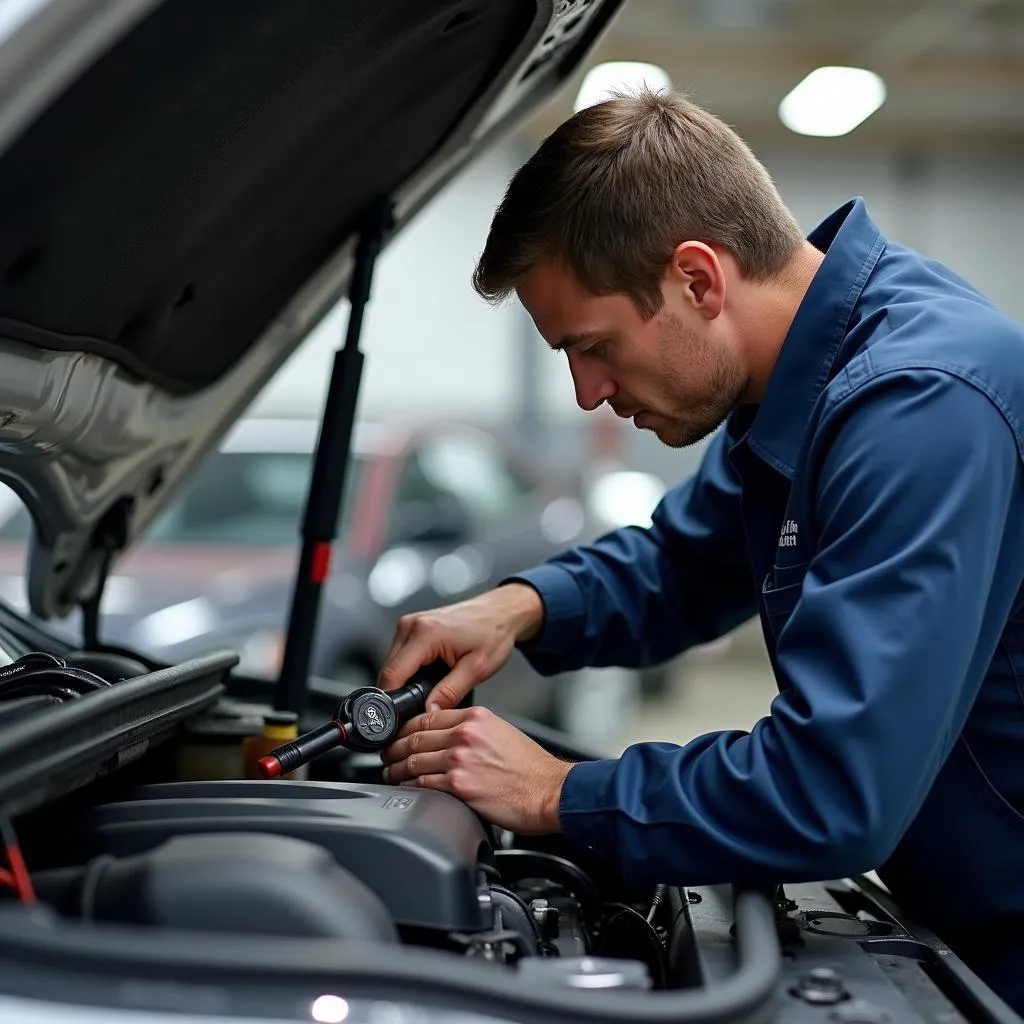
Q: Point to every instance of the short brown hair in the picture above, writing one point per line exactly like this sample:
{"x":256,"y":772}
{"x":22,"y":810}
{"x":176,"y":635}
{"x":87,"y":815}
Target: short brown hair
{"x":615,"y":188}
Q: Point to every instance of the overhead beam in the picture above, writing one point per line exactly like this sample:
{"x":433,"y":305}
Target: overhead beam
{"x":765,"y":130}
{"x":919,"y":32}
{"x":751,"y":55}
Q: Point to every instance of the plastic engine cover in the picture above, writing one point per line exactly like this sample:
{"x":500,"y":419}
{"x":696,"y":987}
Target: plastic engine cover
{"x":252,"y":884}
{"x":419,"y":851}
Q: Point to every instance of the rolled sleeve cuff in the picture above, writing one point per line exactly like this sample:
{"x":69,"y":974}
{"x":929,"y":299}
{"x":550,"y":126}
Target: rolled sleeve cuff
{"x":586,"y":815}
{"x":563,"y":610}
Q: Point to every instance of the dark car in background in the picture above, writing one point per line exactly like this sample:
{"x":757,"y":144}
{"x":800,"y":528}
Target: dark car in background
{"x":432,"y":513}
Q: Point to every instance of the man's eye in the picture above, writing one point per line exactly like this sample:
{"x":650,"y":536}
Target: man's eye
{"x":596,"y":350}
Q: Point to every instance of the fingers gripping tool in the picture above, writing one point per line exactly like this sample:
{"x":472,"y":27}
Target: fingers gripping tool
{"x":366,"y":720}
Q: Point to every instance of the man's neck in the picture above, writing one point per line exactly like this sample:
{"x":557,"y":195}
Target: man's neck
{"x":768,"y":311}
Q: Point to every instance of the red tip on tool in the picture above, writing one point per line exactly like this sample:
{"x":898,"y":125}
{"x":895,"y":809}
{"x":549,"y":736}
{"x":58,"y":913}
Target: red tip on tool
{"x":270,"y":767}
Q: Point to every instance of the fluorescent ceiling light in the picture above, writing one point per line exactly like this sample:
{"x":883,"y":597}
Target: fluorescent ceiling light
{"x":832,"y":101}
{"x":603,"y":80}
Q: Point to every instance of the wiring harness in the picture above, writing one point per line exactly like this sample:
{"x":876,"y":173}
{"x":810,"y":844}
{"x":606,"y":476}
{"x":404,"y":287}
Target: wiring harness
{"x":45,"y":675}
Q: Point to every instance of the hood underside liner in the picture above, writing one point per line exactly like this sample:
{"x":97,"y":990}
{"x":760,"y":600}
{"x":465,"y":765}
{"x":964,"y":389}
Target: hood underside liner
{"x":193,"y":179}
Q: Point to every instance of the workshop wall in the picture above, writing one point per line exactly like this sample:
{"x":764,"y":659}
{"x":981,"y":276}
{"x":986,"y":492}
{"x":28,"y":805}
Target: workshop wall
{"x":433,"y":348}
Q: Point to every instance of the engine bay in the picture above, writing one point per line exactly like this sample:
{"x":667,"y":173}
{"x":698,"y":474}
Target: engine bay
{"x":379,"y":866}
{"x":349,"y":861}
{"x":256,"y":894}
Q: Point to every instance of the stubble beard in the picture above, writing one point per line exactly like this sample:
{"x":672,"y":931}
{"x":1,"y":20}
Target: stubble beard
{"x":725,"y":383}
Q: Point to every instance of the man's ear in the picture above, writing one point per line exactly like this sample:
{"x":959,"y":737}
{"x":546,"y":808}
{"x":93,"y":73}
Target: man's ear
{"x":695,"y":269}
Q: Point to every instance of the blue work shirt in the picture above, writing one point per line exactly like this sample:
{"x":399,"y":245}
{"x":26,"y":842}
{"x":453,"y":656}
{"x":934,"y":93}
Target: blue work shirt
{"x":871,"y":511}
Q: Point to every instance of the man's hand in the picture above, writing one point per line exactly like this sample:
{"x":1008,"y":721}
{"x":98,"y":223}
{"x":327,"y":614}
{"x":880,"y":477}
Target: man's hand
{"x":475,"y":637}
{"x":480,"y":758}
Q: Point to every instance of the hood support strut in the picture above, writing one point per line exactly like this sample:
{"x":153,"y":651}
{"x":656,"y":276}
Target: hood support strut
{"x":330,"y":465}
{"x":111,"y":537}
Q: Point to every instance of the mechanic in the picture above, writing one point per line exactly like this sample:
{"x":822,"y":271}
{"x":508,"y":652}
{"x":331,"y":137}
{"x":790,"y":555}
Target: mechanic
{"x":864,"y":497}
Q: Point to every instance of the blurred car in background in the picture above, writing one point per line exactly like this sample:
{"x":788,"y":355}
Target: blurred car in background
{"x":431,"y":514}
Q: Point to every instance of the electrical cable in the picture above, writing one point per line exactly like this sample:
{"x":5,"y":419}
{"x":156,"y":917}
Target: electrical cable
{"x":19,"y":871}
{"x":44,"y":675}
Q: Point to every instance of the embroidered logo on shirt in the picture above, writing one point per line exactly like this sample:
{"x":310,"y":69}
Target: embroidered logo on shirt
{"x":787,"y":538}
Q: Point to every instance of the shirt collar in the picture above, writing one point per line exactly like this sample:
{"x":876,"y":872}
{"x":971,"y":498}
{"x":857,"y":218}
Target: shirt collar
{"x":852,"y":244}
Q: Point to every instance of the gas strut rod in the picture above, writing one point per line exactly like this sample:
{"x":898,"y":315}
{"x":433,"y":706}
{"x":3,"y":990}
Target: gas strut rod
{"x":330,"y":465}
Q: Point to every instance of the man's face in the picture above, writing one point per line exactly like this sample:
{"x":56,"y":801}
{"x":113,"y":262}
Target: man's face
{"x":677,"y":374}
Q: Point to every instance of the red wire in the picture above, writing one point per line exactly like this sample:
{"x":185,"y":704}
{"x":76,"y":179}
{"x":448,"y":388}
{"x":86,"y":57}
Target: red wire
{"x":18,"y":875}
{"x":6,"y":878}
{"x":22,"y":879}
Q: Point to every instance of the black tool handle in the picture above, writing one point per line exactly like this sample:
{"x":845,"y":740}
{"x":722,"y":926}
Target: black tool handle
{"x":410,"y":700}
{"x":289,"y":756}
{"x":366,"y":720}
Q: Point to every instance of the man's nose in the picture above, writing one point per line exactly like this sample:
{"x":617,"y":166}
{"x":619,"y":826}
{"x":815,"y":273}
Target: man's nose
{"x":592,"y":386}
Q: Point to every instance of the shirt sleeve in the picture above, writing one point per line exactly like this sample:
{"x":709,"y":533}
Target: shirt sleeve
{"x":919,"y":506}
{"x":638,"y":596}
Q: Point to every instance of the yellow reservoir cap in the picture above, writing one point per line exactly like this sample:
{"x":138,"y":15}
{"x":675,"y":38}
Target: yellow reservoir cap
{"x":281,"y":725}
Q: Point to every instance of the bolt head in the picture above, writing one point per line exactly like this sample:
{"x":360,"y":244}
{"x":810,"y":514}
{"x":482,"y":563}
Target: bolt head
{"x":822,"y":986}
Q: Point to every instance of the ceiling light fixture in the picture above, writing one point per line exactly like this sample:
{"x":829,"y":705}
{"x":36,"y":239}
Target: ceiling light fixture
{"x":614,"y":76}
{"x":832,"y":101}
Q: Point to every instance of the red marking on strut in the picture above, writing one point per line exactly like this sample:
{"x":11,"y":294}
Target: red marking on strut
{"x":321,"y":564}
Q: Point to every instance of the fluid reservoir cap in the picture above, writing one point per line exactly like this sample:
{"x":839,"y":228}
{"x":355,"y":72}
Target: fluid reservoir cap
{"x":280,"y":725}
{"x":281,"y":718}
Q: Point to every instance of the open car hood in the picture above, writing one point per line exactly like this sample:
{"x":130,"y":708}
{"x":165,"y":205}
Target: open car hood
{"x":183,"y":185}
